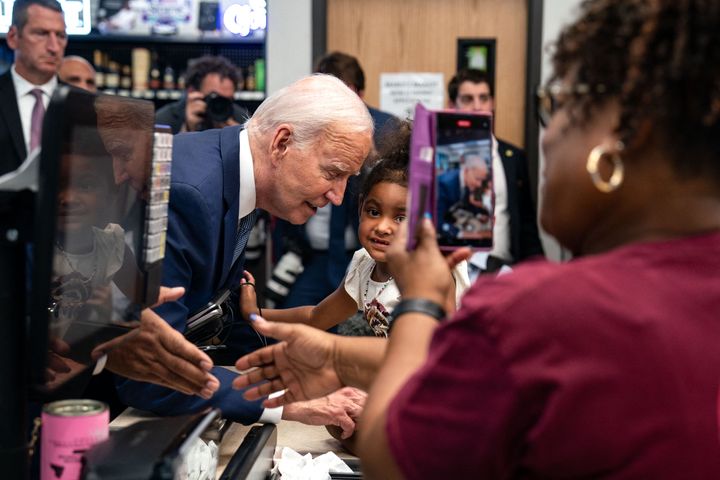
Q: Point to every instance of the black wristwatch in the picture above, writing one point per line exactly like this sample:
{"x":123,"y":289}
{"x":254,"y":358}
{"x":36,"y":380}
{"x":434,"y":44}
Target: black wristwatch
{"x":419,"y":305}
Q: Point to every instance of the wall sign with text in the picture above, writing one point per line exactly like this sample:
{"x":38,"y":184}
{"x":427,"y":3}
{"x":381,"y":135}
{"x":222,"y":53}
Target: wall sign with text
{"x":400,"y":92}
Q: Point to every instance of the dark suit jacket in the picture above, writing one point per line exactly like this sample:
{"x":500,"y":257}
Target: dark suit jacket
{"x":202,"y":225}
{"x":524,"y":236}
{"x":12,"y":143}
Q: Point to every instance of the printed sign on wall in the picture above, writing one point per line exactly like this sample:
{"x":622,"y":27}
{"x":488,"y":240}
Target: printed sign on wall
{"x":400,"y":92}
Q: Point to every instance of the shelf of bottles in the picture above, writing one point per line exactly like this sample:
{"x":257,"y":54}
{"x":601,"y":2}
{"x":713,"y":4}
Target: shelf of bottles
{"x":162,"y":76}
{"x":174,"y":94}
{"x":144,"y":75}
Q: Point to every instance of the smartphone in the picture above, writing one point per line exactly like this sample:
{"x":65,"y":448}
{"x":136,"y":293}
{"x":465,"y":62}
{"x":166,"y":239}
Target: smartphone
{"x":208,"y":321}
{"x":451,"y":177}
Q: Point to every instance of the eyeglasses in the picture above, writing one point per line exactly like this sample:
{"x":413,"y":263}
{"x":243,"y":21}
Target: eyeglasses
{"x":468,"y":98}
{"x":548,"y":102}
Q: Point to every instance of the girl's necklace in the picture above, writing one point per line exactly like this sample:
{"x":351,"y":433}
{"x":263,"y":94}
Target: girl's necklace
{"x":85,"y":279}
{"x":377,"y":294}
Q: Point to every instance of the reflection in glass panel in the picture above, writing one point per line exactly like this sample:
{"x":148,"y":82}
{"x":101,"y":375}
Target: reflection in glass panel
{"x":101,"y":278}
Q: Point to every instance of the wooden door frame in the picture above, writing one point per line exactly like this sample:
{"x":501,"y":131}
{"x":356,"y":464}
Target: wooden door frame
{"x":533,"y":64}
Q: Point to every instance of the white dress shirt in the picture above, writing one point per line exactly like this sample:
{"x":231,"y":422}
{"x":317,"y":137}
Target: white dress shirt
{"x":248,"y":203}
{"x":26,"y":100}
{"x":247,"y":177}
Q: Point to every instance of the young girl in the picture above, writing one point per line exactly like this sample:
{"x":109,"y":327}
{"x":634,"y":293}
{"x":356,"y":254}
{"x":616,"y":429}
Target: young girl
{"x":368,"y":286}
{"x":89,"y":250}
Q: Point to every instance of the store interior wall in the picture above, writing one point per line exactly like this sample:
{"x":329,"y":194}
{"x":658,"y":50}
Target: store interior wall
{"x":291,"y":37}
{"x":289,"y":42}
{"x":421,"y":36}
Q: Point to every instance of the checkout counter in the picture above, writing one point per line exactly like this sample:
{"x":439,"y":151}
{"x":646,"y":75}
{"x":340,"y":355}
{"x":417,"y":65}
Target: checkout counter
{"x":245,"y":452}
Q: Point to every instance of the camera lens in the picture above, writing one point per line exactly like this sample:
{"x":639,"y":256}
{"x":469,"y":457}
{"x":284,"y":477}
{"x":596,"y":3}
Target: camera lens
{"x":219,"y":108}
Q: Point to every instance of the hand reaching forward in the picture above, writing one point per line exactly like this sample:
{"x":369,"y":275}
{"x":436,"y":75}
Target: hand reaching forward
{"x":157,"y":353}
{"x":248,"y":297}
{"x":302,"y":364}
{"x":340,"y":409}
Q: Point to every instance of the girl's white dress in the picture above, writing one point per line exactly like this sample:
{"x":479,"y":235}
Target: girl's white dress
{"x":78,"y":276}
{"x":376,"y":300}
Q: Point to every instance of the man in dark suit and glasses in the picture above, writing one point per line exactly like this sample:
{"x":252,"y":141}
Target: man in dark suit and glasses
{"x":515,"y":231}
{"x":37,"y":35}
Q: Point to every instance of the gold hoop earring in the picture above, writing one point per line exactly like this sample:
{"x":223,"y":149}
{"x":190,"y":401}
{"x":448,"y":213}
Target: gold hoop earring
{"x":618,"y":174}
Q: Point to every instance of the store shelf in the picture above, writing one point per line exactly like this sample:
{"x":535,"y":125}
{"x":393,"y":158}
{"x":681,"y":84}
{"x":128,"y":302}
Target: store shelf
{"x":248,"y":96}
{"x":142,"y":40}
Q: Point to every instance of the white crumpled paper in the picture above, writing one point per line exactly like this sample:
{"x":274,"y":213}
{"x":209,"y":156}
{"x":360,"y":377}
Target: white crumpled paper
{"x":201,"y":461}
{"x":290,"y":465}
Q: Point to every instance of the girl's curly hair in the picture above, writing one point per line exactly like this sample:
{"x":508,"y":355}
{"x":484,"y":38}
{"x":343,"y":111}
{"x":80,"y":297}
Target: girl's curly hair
{"x":393,"y":154}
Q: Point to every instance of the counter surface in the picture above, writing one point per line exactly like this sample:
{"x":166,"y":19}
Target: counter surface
{"x":301,"y":438}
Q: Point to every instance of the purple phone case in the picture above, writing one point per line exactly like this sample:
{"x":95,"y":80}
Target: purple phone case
{"x":420,"y":171}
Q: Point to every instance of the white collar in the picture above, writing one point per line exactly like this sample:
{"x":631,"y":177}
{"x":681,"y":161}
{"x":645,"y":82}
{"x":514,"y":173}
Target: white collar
{"x":247,"y":177}
{"x":23,"y":87}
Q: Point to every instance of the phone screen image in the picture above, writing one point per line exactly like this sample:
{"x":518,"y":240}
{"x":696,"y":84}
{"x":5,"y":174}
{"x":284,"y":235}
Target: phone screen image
{"x":464,"y":196}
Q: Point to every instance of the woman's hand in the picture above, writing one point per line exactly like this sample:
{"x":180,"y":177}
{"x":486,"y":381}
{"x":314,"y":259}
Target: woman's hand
{"x":423,"y":272}
{"x":302,"y":364}
{"x":248,"y":297}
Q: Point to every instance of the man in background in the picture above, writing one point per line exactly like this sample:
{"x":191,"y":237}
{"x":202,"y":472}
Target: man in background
{"x":209,"y":99}
{"x":78,"y":72}
{"x":515,"y":231}
{"x":37,"y":35}
{"x":328,"y":240}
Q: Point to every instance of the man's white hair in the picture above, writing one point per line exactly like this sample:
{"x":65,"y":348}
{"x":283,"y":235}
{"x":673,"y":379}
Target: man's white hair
{"x":313,"y":106}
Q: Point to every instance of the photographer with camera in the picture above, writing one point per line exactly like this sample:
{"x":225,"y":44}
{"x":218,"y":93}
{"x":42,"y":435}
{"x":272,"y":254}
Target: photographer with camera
{"x":208,"y":101}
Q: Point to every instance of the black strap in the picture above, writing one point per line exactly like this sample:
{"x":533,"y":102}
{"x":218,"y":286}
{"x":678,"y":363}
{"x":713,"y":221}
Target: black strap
{"x":419,"y":305}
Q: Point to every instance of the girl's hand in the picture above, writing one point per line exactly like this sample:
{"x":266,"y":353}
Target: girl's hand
{"x":248,"y":297}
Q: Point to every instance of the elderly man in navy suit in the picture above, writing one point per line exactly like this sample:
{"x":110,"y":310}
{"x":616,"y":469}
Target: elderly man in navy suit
{"x":293,"y":157}
{"x":515,"y":231}
{"x":327,"y":242}
{"x":37,"y":35}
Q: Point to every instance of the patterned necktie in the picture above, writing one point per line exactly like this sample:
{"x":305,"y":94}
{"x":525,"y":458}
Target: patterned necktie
{"x":243,"y":233}
{"x":38,"y":113}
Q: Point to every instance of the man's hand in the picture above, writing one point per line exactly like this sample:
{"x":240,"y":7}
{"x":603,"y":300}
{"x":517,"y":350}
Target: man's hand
{"x":57,"y":363}
{"x":302,"y":364}
{"x":195,"y":109}
{"x":157,"y":353}
{"x":340,"y":409}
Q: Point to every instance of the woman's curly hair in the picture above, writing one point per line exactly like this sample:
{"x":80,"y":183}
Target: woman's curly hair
{"x":660,"y":59}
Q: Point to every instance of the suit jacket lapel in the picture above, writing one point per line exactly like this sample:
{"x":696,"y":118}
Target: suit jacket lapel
{"x":510,"y":167}
{"x":230,"y":155}
{"x":9,"y":110}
